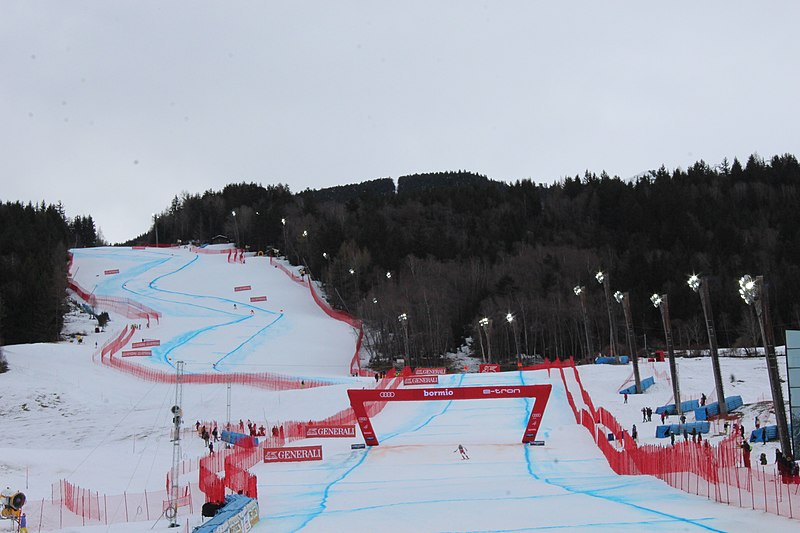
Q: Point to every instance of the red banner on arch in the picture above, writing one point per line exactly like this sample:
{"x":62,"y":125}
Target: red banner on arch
{"x":540,"y":393}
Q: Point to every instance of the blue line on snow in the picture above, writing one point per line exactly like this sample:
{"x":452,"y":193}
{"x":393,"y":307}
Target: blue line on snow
{"x":181,"y":340}
{"x":251,"y":337}
{"x":186,"y":337}
{"x":326,"y":491}
{"x":596,"y":493}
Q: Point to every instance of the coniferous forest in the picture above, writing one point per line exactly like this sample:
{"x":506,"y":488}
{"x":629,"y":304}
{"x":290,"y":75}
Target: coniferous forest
{"x":449,"y":249}
{"x":34,"y":240}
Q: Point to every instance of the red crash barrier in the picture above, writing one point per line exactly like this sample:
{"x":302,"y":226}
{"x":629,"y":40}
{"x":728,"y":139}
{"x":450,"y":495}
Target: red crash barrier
{"x":237,"y":461}
{"x":717,"y":472}
{"x":355,"y":362}
{"x":123,"y":306}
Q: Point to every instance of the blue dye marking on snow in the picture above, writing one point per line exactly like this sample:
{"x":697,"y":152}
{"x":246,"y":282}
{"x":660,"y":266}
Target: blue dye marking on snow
{"x":597,"y":493}
{"x":163,"y":354}
{"x":153,"y":286}
{"x":180,"y":340}
{"x":326,"y":491}
{"x":250,"y":338}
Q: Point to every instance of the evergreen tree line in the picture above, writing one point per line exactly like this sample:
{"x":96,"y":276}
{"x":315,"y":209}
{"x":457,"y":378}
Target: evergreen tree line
{"x":34,"y":240}
{"x":449,"y":249}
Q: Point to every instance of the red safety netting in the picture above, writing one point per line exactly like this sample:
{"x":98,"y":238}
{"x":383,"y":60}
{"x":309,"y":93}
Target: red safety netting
{"x":355,"y":362}
{"x":74,"y":506}
{"x":721,"y":472}
{"x":122,"y":306}
{"x":228,"y":469}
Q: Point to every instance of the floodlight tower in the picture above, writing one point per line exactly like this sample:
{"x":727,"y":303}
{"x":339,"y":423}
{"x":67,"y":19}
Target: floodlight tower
{"x":510,"y":320}
{"x":235,"y":227}
{"x":625,"y":301}
{"x":661,"y":302}
{"x":403,"y":319}
{"x":604,"y":279}
{"x":486,"y":324}
{"x":699,"y":285}
{"x":285,"y":249}
{"x":753,"y":293}
{"x":580,"y":291}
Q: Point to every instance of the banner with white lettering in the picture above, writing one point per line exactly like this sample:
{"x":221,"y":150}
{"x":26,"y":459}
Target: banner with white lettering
{"x":294,"y":454}
{"x":540,"y":394}
{"x":489,"y":368}
{"x":421,"y":380}
{"x":323,"y":432}
{"x":434,"y":371}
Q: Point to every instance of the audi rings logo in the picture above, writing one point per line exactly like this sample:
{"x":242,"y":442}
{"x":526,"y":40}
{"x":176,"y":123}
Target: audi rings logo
{"x":386,"y":395}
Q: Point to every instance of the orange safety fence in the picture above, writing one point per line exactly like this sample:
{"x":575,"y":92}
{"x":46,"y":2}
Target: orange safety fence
{"x":718,"y":472}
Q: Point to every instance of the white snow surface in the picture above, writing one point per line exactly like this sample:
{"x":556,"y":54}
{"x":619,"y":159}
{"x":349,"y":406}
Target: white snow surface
{"x":67,"y":417}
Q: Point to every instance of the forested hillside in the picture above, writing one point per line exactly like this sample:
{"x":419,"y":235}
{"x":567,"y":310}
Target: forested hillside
{"x":34,"y":240}
{"x":448,"y":249}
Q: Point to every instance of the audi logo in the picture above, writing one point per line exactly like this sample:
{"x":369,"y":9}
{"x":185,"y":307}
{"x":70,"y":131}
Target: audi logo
{"x":386,"y":395}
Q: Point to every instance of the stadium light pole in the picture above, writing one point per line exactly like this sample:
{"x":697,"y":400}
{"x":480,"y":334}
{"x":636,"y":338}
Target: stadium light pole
{"x":661,"y":302}
{"x":235,"y":227}
{"x":603,"y":278}
{"x":625,"y":301}
{"x":753,"y":293}
{"x":699,"y":285}
{"x":486,"y":324}
{"x":510,"y":320}
{"x":403,"y":319}
{"x":580,"y":291}
{"x":285,"y":249}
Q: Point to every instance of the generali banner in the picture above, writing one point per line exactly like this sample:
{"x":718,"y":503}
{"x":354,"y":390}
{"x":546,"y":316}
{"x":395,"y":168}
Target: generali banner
{"x":294,"y":454}
{"x":136,"y":353}
{"x":421,"y":380}
{"x":489,"y":368}
{"x":330,"y":432}
{"x":435,"y":371}
{"x":146,"y":343}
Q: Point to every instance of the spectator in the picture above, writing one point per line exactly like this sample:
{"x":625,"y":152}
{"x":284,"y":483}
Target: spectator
{"x":702,"y":399}
{"x":634,"y":433}
{"x":644,"y":414}
{"x":649,"y":414}
{"x":746,"y":449}
{"x":763,"y":459}
{"x":625,"y":396}
{"x":764,"y":436}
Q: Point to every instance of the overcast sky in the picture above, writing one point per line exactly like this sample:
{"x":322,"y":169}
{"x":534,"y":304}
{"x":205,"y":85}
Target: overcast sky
{"x":114,"y":107}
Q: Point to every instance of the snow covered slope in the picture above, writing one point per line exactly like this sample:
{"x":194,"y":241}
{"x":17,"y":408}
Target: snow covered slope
{"x":66,"y":416}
